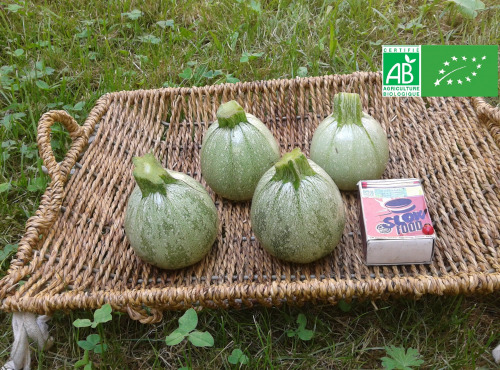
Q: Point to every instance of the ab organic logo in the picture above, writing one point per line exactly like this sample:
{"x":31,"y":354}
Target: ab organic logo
{"x":401,"y":70}
{"x":440,"y":70}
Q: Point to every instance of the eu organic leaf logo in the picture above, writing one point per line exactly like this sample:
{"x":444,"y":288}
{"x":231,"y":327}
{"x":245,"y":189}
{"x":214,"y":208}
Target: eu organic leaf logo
{"x":470,"y":67}
{"x":408,"y":60}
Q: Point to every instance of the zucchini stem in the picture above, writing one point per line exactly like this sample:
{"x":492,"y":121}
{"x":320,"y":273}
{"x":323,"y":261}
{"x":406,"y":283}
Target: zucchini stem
{"x":293,"y":167}
{"x":150,"y":176}
{"x":347,"y":109}
{"x":231,"y":114}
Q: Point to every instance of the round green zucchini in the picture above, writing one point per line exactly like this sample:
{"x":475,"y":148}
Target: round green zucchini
{"x":171,"y":221}
{"x":237,"y":149}
{"x":297,"y":212}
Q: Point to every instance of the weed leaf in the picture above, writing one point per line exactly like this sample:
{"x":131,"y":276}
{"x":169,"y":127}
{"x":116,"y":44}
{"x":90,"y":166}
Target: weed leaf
{"x":4,"y":187}
{"x":237,"y":356}
{"x":175,"y":338}
{"x":82,"y":323}
{"x":81,"y":363}
{"x":101,"y":315}
{"x":401,"y":359}
{"x":186,"y":74}
{"x":302,"y":321}
{"x":468,"y":8}
{"x":246,"y":57}
{"x":14,"y":8}
{"x":230,"y":79}
{"x":165,"y":24}
{"x":188,"y":321}
{"x":7,"y":250}
{"x":302,"y":72}
{"x":149,"y":39}
{"x":133,"y":15}
{"x":255,"y":6}
{"x":201,"y":339}
{"x":42,"y":85}
{"x":344,"y":306}
{"x":305,"y":334}
{"x":86,"y":345}
{"x":100,"y":348}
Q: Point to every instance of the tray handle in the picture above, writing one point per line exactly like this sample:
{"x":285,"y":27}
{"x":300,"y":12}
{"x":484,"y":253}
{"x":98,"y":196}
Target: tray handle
{"x":491,"y":114}
{"x":59,"y":171}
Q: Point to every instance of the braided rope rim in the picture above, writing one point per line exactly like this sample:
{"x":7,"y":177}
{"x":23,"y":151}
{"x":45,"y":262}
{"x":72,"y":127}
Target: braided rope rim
{"x":145,"y":304}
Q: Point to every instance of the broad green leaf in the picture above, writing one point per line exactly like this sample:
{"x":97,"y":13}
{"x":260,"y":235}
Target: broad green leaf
{"x":142,"y":58}
{"x":150,"y":39}
{"x":133,"y":15}
{"x":7,"y":251}
{"x":246,"y":57}
{"x":9,"y":248}
{"x":401,"y":358}
{"x":208,"y":74}
{"x":88,"y":366}
{"x":344,"y":306}
{"x":81,"y":363}
{"x":100,"y":348}
{"x":255,"y":6}
{"x":82,"y":323}
{"x":201,"y":339}
{"x":42,"y":44}
{"x":302,"y":72}
{"x":165,"y":24}
{"x":237,"y":356}
{"x":38,"y":184}
{"x":186,"y":34}
{"x":188,"y":321}
{"x":186,"y":74}
{"x":84,"y":34}
{"x":291,"y":333}
{"x":14,"y":8}
{"x":5,"y":187}
{"x":302,"y":321}
{"x":230,"y":79}
{"x":305,"y":334}
{"x":468,"y":8}
{"x":86,"y":345}
{"x":94,"y":338}
{"x":18,"y":52}
{"x":42,"y":85}
{"x":175,"y":338}
{"x":103,"y":314}
{"x":79,"y":106}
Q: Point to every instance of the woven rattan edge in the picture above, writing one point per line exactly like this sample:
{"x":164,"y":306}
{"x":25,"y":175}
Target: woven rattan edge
{"x":226,"y":295}
{"x":492,"y":114}
{"x":267,"y":294}
{"x":51,"y":201}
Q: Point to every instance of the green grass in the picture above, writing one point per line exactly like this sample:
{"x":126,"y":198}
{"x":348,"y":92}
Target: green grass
{"x":64,"y":55}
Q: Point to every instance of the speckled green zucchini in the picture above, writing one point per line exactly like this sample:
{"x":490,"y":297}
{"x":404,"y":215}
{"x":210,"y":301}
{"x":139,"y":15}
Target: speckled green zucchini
{"x":237,"y":149}
{"x":171,"y":221}
{"x":297,"y":212}
{"x":350,"y":145}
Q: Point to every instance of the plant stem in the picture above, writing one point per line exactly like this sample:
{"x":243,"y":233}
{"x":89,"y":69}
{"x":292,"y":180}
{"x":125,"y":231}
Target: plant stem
{"x":231,"y":114}
{"x":293,"y":167}
{"x":347,"y":109}
{"x":150,"y":175}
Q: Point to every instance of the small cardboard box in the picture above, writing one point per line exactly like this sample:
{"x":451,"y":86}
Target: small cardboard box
{"x":395,"y":224}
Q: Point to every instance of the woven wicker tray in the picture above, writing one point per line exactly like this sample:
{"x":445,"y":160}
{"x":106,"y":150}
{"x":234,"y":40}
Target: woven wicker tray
{"x":74,"y":253}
